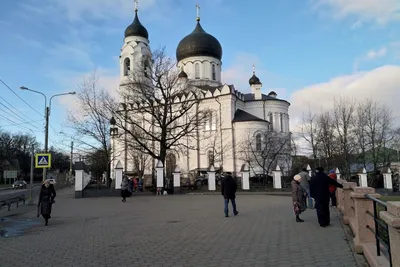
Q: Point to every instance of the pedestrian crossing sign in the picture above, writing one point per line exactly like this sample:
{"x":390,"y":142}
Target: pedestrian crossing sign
{"x":42,"y":160}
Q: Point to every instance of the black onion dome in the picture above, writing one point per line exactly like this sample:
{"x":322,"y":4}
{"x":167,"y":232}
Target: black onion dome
{"x":254,"y":80}
{"x":113,"y":121}
{"x":199,"y":43}
{"x":182,"y":74}
{"x":136,"y":28}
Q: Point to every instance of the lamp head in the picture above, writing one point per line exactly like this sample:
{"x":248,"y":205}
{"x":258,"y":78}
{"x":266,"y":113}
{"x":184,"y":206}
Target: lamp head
{"x":23,"y":88}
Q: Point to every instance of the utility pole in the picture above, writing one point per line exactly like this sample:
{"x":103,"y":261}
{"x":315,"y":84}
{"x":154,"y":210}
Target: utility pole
{"x":46,"y":138}
{"x":71,"y":156}
{"x":32,"y":171}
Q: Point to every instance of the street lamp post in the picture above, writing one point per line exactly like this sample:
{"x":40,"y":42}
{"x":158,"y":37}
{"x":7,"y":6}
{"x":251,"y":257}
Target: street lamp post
{"x":46,"y":115}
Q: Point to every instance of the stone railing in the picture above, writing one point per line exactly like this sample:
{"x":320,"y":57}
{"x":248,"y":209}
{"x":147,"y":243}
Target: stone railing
{"x":358,"y":206}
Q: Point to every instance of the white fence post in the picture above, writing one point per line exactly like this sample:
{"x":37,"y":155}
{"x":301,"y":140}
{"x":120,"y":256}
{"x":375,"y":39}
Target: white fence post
{"x":118,"y":175}
{"x":337,"y":173}
{"x":387,"y":178}
{"x":277,"y":174}
{"x":211,"y":179}
{"x":160,"y":177}
{"x":362,"y":176}
{"x":177,"y":180}
{"x":245,"y":177}
{"x":309,"y":170}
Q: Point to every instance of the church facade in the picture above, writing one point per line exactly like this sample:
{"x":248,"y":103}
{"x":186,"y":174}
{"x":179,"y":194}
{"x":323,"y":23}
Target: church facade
{"x":238,"y":118}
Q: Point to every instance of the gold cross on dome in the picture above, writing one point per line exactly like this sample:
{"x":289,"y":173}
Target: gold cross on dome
{"x":198,"y":12}
{"x":136,"y":5}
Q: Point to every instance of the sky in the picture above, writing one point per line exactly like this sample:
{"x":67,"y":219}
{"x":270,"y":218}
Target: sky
{"x":308,"y":51}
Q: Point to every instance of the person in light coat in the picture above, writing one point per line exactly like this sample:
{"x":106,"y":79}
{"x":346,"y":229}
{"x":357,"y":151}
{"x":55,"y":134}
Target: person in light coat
{"x":298,"y":195}
{"x":305,"y":184}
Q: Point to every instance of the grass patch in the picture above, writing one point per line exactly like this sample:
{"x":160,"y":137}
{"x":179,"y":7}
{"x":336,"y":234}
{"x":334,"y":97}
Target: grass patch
{"x":390,"y":198}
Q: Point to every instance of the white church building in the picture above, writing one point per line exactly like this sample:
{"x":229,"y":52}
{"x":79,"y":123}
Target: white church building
{"x":237,"y":116}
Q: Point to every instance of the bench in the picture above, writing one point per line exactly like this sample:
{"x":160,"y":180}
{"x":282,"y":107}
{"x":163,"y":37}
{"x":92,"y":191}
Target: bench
{"x":8,"y":200}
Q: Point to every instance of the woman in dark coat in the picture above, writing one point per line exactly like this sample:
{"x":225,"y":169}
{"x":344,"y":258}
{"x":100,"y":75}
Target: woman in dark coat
{"x":46,"y":200}
{"x":298,"y":197}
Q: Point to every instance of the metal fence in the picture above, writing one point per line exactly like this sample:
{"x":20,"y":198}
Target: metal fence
{"x":380,"y":229}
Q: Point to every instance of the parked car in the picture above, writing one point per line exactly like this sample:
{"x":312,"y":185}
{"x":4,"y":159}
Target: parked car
{"x":20,"y":185}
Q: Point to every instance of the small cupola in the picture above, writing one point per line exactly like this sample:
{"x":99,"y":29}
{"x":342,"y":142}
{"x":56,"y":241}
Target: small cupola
{"x":272,"y":94}
{"x":182,"y":75}
{"x":255,"y":85}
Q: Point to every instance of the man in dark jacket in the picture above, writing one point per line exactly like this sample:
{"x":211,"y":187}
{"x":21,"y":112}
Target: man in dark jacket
{"x":228,"y":191}
{"x":320,"y":192}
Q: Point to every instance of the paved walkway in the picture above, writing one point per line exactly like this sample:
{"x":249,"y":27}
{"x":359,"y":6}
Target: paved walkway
{"x":173,"y":231}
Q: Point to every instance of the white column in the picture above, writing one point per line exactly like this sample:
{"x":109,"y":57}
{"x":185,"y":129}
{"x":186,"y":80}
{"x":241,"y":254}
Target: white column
{"x":211,"y":179}
{"x":78,"y":180}
{"x":118,"y":170}
{"x":363,"y":180}
{"x":177,"y":180}
{"x":160,"y":174}
{"x":387,"y":179}
{"x":245,"y":177}
{"x":337,"y":173}
{"x":277,"y":174}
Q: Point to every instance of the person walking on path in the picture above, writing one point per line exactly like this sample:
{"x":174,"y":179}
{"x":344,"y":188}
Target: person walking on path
{"x":320,"y":192}
{"x":228,"y":191}
{"x":298,"y":195}
{"x":46,"y":199}
{"x":124,"y":188}
{"x":305,"y":184}
{"x":332,"y":188}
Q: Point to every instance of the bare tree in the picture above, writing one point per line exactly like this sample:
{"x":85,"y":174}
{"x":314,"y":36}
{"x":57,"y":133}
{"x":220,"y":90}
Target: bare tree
{"x":310,"y":132}
{"x":376,"y":121}
{"x":344,"y":121}
{"x":161,"y":111}
{"x":264,"y":150}
{"x":91,"y":120}
{"x":326,"y":138}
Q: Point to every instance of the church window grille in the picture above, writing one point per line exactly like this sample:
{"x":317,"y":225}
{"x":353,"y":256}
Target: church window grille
{"x":127,"y":66}
{"x":213,"y":72}
{"x":258,"y":142}
{"x":271,"y":121}
{"x":281,"y":122}
{"x":197,"y":71}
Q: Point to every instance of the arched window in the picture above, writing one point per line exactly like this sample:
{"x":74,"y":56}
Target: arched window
{"x":127,"y":66}
{"x":146,"y":69}
{"x":213,"y":73}
{"x":281,"y":121}
{"x":258,"y":142}
{"x":271,"y":121}
{"x":197,"y":71}
{"x":210,"y":156}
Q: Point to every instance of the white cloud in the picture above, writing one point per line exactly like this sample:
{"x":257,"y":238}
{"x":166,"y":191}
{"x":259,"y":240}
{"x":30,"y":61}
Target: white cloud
{"x":379,"y":12}
{"x":371,"y":55}
{"x":381,"y":84}
{"x":375,"y":54}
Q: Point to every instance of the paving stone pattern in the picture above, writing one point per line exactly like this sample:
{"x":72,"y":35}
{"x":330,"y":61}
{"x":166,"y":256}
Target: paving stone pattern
{"x":176,"y":231}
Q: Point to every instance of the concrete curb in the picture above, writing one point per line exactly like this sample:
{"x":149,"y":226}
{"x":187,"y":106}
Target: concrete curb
{"x":245,"y":193}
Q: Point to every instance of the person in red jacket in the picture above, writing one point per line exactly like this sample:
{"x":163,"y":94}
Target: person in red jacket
{"x":332,"y":188}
